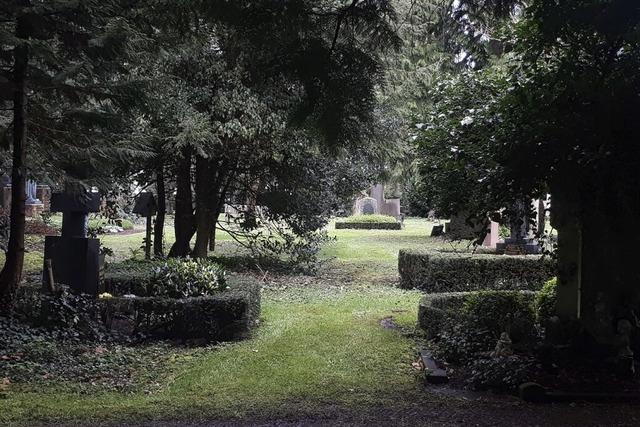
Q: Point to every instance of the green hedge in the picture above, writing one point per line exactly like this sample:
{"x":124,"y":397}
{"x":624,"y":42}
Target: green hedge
{"x":488,"y":308}
{"x":368,"y":225}
{"x":129,"y":277}
{"x":368,"y":218}
{"x":436,"y":309}
{"x":435,"y":272}
{"x":225,"y":316}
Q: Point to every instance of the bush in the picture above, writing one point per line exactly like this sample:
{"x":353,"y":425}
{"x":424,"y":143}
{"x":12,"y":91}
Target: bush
{"x":223,"y":316}
{"x":544,"y":304}
{"x":503,"y":373}
{"x":126,"y":224}
{"x":486,"y":313}
{"x":65,"y":312}
{"x":39,"y":228}
{"x":465,"y":327}
{"x":460,"y":340}
{"x":178,"y":278}
{"x":97,"y":224}
{"x":436,"y":309}
{"x":368,"y":226}
{"x":130,"y":277}
{"x":502,"y":311}
{"x":360,"y":219}
{"x":435,"y":272}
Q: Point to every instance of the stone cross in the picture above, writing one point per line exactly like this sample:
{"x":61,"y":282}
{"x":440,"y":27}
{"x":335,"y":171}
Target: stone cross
{"x":75,"y":210}
{"x":73,"y":259}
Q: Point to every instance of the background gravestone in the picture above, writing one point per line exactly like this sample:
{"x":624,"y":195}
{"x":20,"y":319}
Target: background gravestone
{"x":368,"y":208}
{"x":75,"y":259}
{"x":366,"y":205}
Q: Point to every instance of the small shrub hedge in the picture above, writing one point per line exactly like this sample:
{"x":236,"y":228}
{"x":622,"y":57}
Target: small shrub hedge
{"x":223,"y":316}
{"x":368,"y":222}
{"x":368,"y":218}
{"x":368,"y":226}
{"x":545,"y":303}
{"x":493,"y":310}
{"x":435,"y":272}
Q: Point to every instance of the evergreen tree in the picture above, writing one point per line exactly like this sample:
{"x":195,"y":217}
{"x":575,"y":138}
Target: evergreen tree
{"x":63,"y":68}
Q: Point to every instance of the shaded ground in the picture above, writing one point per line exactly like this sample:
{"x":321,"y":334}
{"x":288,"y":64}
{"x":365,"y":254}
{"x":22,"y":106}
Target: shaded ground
{"x":333,"y":349}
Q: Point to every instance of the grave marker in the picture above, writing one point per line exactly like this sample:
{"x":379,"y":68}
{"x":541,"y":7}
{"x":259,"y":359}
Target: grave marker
{"x":74,"y":259}
{"x":146,"y":206}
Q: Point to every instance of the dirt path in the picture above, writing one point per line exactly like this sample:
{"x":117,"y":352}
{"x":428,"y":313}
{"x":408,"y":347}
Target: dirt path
{"x":503,"y":412}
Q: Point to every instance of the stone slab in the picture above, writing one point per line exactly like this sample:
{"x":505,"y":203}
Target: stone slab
{"x":434,"y":374}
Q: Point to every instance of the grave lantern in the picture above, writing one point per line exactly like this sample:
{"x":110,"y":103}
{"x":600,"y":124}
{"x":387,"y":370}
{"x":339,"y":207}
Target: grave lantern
{"x":146,"y":206}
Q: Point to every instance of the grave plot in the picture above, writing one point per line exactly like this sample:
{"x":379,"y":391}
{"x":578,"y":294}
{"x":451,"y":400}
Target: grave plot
{"x":186,"y":300}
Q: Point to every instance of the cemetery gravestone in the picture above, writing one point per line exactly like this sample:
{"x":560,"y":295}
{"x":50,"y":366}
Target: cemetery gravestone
{"x":74,"y":258}
{"x":368,"y":208}
{"x":365,"y":206}
{"x":437,"y":230}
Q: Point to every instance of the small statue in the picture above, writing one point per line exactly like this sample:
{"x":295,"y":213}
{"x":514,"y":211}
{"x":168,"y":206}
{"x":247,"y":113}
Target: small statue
{"x":503,"y":346}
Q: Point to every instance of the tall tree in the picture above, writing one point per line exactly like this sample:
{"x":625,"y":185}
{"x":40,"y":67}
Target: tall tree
{"x":565,"y":122}
{"x":55,"y":58}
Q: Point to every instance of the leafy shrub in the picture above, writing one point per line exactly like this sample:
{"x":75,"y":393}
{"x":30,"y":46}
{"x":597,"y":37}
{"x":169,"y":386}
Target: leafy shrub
{"x":465,"y":324}
{"x":39,"y":228}
{"x":178,"y":278}
{"x":368,"y":225}
{"x":439,"y":271}
{"x":436,"y":309}
{"x":461,"y":339}
{"x":544,"y":304}
{"x":503,"y":373}
{"x":368,"y":219}
{"x":97,"y":225}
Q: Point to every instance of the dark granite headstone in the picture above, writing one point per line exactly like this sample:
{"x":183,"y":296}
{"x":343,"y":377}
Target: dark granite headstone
{"x":75,"y":259}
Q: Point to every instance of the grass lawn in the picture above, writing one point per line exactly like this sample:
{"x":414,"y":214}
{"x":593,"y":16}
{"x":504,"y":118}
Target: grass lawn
{"x":319,"y":353}
{"x":320,"y":343}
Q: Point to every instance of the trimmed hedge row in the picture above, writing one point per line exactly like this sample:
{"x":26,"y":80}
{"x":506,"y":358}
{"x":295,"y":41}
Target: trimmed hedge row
{"x":435,"y":310}
{"x":436,"y":272}
{"x":228,"y":315}
{"x":368,"y":225}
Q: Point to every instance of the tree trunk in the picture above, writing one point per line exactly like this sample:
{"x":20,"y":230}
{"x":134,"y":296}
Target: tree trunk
{"x":184,"y":223}
{"x":597,"y":276}
{"x":212,"y":234}
{"x":12,"y":271}
{"x":205,"y":192}
{"x":158,"y":232}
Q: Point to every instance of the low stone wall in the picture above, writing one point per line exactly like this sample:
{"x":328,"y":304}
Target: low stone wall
{"x":368,"y":225}
{"x":435,"y":272}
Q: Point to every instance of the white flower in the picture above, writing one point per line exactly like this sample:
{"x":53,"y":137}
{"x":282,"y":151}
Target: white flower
{"x":466,"y":121}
